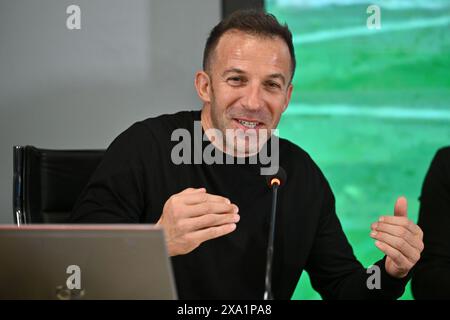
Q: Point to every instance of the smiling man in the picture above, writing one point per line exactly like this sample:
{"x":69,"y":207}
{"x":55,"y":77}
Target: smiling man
{"x":216,"y":215}
{"x":246,"y":82}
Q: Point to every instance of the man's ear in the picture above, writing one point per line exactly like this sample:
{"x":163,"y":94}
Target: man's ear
{"x":203,"y":86}
{"x":288,"y":96}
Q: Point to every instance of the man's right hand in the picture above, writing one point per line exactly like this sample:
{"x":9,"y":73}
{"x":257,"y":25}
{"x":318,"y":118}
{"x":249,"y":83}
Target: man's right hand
{"x":193,"y":216}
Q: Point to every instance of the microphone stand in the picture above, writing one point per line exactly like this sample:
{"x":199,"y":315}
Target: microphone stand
{"x":268,"y":295}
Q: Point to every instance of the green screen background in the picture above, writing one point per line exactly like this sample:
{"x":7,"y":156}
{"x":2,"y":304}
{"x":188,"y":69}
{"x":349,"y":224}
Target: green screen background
{"x":370,"y":106}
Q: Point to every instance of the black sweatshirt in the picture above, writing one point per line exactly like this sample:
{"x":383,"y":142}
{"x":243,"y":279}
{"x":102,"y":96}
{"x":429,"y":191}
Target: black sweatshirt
{"x":431,"y":277}
{"x":137,"y":176}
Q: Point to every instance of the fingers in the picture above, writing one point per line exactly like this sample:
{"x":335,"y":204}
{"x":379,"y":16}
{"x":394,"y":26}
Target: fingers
{"x":211,"y":220}
{"x":400,"y":244}
{"x":199,"y":203}
{"x":401,"y":207}
{"x":205,"y":208}
{"x":403,"y":222}
{"x":399,"y":231}
{"x":400,"y":239}
{"x":397,"y":257}
{"x":200,"y":197}
{"x":211,"y":233}
{"x":194,"y":216}
{"x":192,"y":190}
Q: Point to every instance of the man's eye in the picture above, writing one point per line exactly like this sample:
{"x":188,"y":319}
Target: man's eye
{"x":235,"y":80}
{"x":273,"y":85}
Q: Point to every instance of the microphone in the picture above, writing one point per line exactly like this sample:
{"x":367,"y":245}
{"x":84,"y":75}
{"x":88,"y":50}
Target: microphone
{"x":274,"y":182}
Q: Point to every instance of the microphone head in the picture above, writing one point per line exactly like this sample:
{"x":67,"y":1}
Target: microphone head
{"x":278,"y":178}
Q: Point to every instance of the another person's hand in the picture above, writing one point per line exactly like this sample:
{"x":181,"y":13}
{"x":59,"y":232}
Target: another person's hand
{"x":399,"y":238}
{"x":194,"y":216}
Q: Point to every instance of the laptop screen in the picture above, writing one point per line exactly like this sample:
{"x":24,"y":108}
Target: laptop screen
{"x":85,"y":262}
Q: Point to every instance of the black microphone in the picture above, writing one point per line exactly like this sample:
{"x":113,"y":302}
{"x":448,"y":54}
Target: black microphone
{"x":274,"y":182}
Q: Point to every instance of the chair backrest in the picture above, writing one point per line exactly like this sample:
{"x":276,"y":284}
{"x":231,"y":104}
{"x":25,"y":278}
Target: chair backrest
{"x":47,"y":183}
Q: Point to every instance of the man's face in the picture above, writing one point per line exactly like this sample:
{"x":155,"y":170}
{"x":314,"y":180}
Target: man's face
{"x":248,"y":85}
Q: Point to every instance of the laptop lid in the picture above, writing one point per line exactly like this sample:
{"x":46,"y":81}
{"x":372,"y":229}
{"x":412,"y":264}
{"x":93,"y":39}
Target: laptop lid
{"x":84,"y":262}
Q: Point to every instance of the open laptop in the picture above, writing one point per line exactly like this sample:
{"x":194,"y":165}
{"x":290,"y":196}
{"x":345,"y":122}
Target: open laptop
{"x":84,"y":262}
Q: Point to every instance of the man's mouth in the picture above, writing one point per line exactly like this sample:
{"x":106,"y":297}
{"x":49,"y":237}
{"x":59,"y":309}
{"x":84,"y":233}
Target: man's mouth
{"x":248,"y":124}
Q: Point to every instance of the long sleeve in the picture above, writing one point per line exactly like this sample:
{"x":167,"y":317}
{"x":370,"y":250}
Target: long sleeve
{"x":431,"y":279}
{"x":334,"y":270}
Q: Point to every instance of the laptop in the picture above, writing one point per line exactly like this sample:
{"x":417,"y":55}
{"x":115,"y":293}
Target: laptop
{"x":84,"y":262}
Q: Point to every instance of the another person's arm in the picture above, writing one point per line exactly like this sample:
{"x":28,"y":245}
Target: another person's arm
{"x":431,"y":278}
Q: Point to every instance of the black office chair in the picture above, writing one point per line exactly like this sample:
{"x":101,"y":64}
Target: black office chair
{"x":48,"y":182}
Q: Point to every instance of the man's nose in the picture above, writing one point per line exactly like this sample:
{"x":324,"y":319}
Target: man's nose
{"x":253,"y":98}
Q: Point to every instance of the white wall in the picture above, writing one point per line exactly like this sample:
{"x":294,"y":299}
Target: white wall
{"x":69,"y":89}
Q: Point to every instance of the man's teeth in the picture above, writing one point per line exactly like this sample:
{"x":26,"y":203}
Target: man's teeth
{"x":248,"y":124}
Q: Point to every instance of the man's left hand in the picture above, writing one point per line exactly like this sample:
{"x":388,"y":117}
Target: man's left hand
{"x":399,"y":238}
